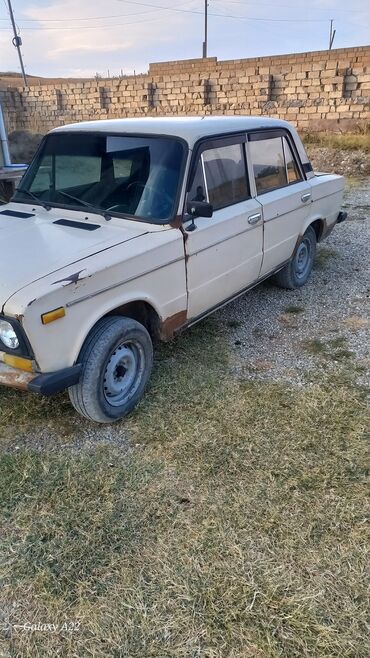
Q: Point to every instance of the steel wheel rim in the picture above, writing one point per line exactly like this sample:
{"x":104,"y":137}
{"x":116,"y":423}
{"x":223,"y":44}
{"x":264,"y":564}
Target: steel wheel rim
{"x":302,"y":259}
{"x":123,"y":373}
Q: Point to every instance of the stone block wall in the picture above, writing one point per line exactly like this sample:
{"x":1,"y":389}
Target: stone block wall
{"x":316,"y":91}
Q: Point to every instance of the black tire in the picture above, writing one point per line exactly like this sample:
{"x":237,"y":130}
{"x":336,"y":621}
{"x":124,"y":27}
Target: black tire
{"x":298,"y":271}
{"x":117,"y":359}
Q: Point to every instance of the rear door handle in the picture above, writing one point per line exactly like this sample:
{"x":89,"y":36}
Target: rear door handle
{"x":253,"y":219}
{"x":306,"y":197}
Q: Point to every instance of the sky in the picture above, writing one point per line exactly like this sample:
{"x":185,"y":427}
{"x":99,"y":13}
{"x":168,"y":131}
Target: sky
{"x":78,"y":38}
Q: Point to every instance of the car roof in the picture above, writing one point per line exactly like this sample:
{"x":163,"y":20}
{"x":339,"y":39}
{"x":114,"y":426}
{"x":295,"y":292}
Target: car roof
{"x":191,"y":129}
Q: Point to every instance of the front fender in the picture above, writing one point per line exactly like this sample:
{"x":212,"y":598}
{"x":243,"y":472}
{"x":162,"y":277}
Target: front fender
{"x":91,"y":290}
{"x":57,"y":345}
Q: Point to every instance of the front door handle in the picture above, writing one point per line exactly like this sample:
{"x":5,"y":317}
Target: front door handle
{"x":306,"y":197}
{"x":253,"y":219}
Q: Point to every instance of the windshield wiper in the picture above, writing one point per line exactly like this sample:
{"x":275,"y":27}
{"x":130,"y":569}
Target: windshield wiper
{"x":42,"y":203}
{"x":106,"y":215}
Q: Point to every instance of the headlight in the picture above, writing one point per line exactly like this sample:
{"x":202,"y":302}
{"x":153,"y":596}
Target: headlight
{"x":8,"y":335}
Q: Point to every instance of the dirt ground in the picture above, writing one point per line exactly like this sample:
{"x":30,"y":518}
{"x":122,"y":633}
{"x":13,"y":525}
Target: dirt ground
{"x":285,"y":335}
{"x":340,"y":161}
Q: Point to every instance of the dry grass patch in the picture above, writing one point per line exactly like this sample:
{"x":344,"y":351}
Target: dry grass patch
{"x":356,"y":323}
{"x":345,"y":142}
{"x":294,"y":310}
{"x":288,"y":320}
{"x":23,"y":416}
{"x":232,"y":527}
{"x":324,"y":256}
{"x":314,"y":346}
{"x":334,"y":349}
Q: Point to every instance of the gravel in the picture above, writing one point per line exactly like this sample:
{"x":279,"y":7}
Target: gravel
{"x":340,"y":161}
{"x":274,"y":334}
{"x":284,"y":335}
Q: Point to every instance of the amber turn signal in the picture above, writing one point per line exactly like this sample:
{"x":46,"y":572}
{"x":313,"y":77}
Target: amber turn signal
{"x":18,"y":362}
{"x":51,"y":316}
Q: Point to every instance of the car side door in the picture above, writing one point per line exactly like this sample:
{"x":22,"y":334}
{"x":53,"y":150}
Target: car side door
{"x":283,"y":192}
{"x":224,"y":252}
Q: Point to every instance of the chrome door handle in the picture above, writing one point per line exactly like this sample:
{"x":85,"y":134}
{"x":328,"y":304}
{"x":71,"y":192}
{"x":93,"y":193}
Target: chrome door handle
{"x":253,"y":219}
{"x":306,"y":197}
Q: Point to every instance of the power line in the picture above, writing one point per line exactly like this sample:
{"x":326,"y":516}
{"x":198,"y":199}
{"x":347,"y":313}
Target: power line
{"x":92,"y":18}
{"x":88,"y":27}
{"x":87,"y":18}
{"x":247,"y":18}
{"x":264,"y":4}
{"x":186,"y":11}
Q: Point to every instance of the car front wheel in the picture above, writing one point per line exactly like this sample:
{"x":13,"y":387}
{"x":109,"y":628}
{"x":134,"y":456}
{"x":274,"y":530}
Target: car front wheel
{"x":298,"y":271}
{"x":117,"y":359}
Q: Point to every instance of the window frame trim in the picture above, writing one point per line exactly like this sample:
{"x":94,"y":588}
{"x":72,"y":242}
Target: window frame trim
{"x":204,"y":177}
{"x":299,"y":180}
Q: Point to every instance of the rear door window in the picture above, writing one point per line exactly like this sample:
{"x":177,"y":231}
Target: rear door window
{"x":273,"y":162}
{"x":268,"y":162}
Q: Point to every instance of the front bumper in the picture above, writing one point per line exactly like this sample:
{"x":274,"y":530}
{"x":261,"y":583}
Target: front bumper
{"x":44,"y":384}
{"x":15,"y":378}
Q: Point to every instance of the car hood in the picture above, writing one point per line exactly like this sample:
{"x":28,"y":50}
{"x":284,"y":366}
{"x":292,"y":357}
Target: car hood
{"x":35,"y":246}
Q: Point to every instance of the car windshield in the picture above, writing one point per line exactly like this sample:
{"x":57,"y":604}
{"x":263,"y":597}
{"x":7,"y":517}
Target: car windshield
{"x":134,"y":176}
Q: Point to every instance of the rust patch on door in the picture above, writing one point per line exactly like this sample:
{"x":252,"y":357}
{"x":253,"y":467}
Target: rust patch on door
{"x":170,"y":326}
{"x":177,"y":223}
{"x":326,"y":230}
{"x":296,"y":246}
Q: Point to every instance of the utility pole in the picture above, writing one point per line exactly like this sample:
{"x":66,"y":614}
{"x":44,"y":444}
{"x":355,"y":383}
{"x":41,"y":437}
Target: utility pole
{"x":17,"y":42}
{"x":332,"y":35}
{"x":205,"y":42}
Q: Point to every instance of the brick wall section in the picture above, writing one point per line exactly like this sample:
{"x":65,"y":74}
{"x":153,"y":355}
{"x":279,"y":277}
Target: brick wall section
{"x":323,"y":90}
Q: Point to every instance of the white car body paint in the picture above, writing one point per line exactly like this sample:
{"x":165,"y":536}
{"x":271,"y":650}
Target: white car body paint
{"x":45,"y":266}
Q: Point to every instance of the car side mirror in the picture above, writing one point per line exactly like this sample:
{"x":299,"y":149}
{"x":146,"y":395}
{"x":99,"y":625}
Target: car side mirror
{"x":199,"y":209}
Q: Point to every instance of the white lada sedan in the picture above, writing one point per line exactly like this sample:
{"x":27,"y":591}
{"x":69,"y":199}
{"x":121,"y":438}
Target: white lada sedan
{"x":126,"y":231}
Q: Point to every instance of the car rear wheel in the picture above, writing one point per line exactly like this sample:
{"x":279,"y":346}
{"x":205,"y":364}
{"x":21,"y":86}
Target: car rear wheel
{"x":117,"y":360}
{"x":298,"y":271}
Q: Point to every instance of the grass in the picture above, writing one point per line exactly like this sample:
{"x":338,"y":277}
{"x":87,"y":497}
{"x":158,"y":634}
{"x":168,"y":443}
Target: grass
{"x":232,"y":525}
{"x":24,"y":411}
{"x":233,"y":324}
{"x":289,"y":318}
{"x":314,"y":346}
{"x":335,"y":349}
{"x":346,"y":141}
{"x":356,"y":323}
{"x":324,"y":256}
{"x":294,"y":310}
